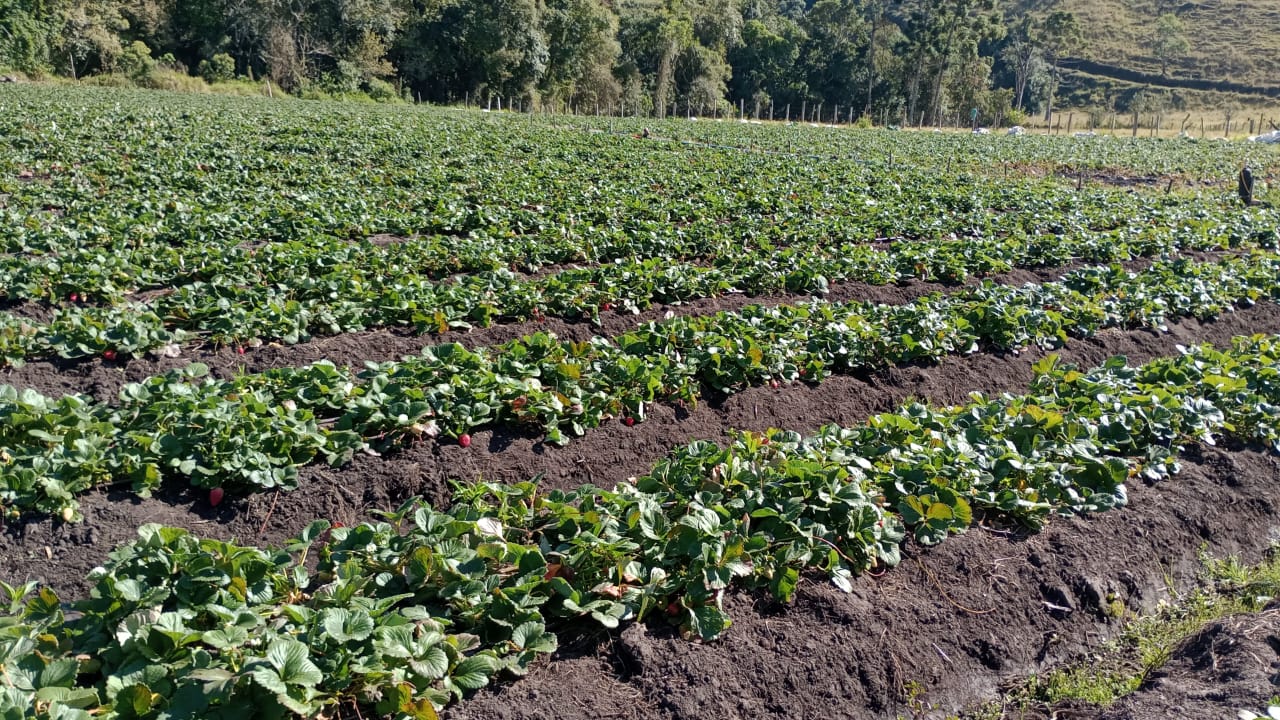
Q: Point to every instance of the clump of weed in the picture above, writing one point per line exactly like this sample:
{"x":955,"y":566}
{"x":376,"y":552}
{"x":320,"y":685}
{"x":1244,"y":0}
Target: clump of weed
{"x":1147,"y":643}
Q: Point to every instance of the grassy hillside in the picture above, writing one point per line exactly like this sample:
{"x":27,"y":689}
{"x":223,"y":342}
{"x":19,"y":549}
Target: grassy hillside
{"x":1234,"y":40}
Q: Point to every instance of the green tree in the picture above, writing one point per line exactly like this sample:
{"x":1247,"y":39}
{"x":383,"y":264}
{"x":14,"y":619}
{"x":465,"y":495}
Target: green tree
{"x":876,"y":35}
{"x":1169,"y":41}
{"x":948,"y":32}
{"x":1022,"y":54}
{"x":763,"y":65}
{"x":654,"y":36}
{"x":135,"y":60}
{"x":27,"y":35}
{"x":196,"y":30}
{"x":968,"y":82}
{"x":674,"y":35}
{"x":836,"y":51}
{"x":494,"y":47}
{"x":220,"y":68}
{"x":921,"y":30}
{"x":702,"y":76}
{"x":1060,"y":36}
{"x":582,"y":50}
{"x":89,"y":35}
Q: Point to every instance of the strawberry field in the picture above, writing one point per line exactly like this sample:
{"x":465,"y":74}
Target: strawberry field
{"x":342,"y":411}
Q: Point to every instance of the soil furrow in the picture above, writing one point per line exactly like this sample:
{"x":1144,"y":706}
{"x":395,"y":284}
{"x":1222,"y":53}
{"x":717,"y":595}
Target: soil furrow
{"x":102,"y":379}
{"x":940,"y":633}
{"x":1228,"y":665}
{"x":61,"y":554}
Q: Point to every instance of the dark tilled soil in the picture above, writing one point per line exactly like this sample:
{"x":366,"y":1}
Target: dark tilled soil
{"x":1231,"y":665}
{"x":936,"y":635}
{"x":103,"y":379}
{"x":61,"y":554}
{"x":945,"y":628}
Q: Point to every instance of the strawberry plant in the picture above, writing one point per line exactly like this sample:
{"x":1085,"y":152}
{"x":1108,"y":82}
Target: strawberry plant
{"x":404,"y":615}
{"x":254,"y":431}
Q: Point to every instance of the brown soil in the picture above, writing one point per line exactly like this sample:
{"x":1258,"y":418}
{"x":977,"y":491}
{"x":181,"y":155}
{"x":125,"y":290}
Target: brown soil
{"x":385,"y":239}
{"x":1231,"y":665}
{"x":60,"y":554}
{"x":934,"y":636}
{"x":943,"y":630}
{"x":103,"y":379}
{"x":30,"y":311}
{"x":1115,"y":177}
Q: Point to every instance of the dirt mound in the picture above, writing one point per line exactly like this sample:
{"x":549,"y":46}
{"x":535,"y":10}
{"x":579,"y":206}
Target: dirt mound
{"x":940,"y":633}
{"x":103,"y":379}
{"x":1232,"y":664}
{"x":61,"y":555}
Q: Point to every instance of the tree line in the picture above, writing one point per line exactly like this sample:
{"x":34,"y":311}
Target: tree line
{"x":890,"y":61}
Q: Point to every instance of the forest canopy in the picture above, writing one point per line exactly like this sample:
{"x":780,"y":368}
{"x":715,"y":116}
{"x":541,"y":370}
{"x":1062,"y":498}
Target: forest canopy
{"x":904,"y":61}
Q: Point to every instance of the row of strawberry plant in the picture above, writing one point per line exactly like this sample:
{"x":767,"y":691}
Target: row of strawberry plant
{"x":255,"y":431}
{"x":97,"y":263}
{"x":113,"y":273}
{"x":404,"y":615}
{"x":336,"y":301}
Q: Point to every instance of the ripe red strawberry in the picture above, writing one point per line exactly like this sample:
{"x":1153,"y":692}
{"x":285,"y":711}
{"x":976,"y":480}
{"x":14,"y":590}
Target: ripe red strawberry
{"x":606,"y":307}
{"x":215,"y":496}
{"x":464,"y":440}
{"x":109,"y":354}
{"x":240,"y":350}
{"x":75,"y":297}
{"x":629,"y":421}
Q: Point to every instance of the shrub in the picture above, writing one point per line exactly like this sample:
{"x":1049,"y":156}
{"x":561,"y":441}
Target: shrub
{"x":219,"y":68}
{"x":164,"y":79}
{"x":168,"y":62}
{"x":243,"y":87}
{"x":110,"y":81}
{"x":1013,"y":116}
{"x":135,"y":61}
{"x":382,"y":91}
